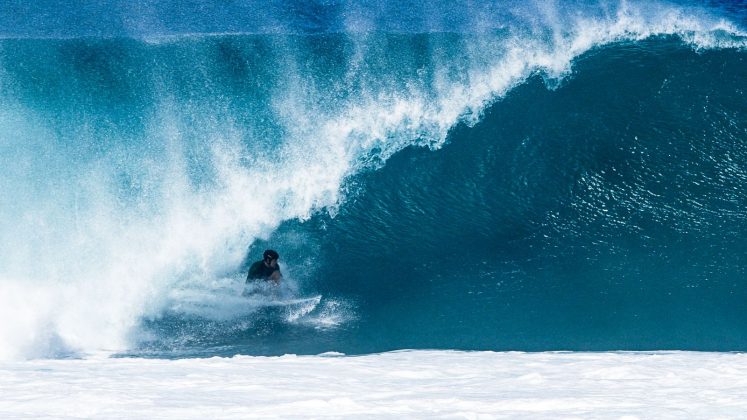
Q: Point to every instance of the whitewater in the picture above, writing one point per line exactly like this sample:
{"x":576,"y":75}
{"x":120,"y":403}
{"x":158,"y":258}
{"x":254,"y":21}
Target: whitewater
{"x":420,"y":384}
{"x":483,"y":210}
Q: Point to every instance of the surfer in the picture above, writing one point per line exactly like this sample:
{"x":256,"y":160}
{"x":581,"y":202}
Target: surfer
{"x":267,"y":269}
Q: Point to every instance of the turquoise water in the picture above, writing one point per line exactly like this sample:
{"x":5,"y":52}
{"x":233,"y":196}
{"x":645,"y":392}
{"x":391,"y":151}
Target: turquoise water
{"x":507,"y":178}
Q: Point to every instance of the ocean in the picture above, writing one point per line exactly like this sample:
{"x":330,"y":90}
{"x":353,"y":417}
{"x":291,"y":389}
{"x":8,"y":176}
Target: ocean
{"x":463,"y":180}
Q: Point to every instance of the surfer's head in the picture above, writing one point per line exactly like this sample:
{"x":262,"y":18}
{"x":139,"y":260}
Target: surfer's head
{"x":270,"y":257}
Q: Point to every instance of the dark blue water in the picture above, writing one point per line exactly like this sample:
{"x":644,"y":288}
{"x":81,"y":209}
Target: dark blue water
{"x":475,"y":176}
{"x":607,"y":213}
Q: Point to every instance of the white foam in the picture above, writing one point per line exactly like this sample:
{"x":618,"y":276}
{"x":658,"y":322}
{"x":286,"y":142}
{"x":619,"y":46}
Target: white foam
{"x":432,"y":384}
{"x":332,"y":313}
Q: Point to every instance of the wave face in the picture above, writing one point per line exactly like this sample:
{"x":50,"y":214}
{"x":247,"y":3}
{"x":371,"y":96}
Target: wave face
{"x":531,"y":179}
{"x":608,"y":213}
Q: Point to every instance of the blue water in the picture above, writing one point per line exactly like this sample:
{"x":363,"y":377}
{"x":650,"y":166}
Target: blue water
{"x":453,"y":176}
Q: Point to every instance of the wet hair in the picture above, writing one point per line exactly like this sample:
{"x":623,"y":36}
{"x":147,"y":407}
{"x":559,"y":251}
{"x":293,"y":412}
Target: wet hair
{"x":270,"y":255}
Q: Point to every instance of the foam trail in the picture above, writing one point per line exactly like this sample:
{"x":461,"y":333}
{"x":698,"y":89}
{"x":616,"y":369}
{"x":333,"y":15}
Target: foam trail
{"x":113,"y":218}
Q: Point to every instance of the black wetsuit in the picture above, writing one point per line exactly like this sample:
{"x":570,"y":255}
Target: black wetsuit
{"x":259,"y":271}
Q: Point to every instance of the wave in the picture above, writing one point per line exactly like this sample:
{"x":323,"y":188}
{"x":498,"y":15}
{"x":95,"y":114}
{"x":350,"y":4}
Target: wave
{"x":605,"y":214}
{"x":138,"y":166}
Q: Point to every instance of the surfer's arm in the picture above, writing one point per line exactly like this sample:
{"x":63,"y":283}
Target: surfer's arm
{"x":276,"y":276}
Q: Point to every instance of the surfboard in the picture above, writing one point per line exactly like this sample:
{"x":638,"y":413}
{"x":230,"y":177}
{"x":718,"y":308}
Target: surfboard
{"x":289,"y":302}
{"x":291,"y":310}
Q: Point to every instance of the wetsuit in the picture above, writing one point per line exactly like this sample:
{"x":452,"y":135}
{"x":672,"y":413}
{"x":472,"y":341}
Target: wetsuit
{"x":259,"y":271}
